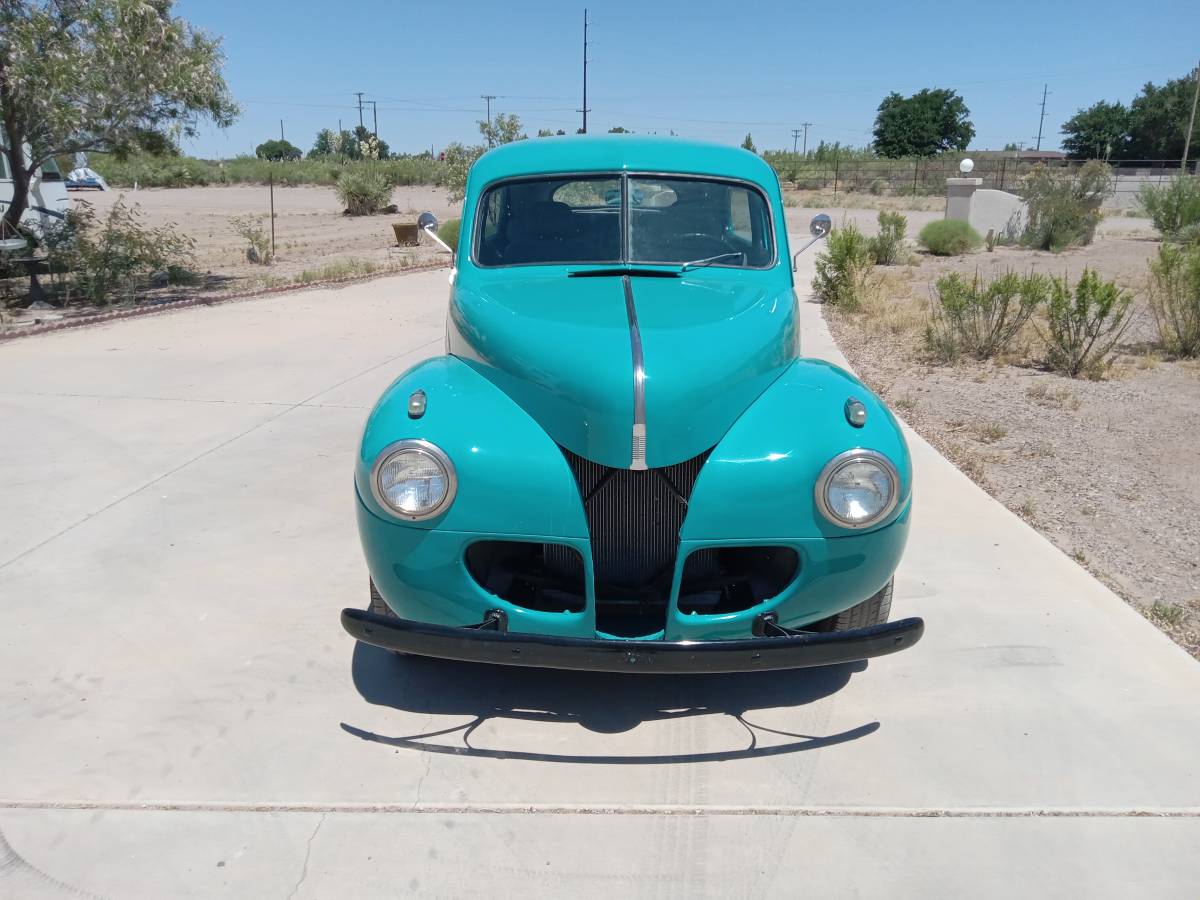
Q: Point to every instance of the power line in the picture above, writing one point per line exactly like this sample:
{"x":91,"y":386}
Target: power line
{"x":585,"y":108}
{"x":489,"y":98}
{"x":1042,"y":120}
{"x":1187,"y":141}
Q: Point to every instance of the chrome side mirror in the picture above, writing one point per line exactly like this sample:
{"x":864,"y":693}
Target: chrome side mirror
{"x":819,"y":228}
{"x":428,"y":223}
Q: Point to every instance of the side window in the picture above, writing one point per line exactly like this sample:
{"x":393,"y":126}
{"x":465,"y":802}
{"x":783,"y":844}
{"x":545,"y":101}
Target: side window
{"x":739,"y":215}
{"x":490,"y":226}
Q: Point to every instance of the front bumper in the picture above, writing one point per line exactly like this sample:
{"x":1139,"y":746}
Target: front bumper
{"x":793,"y":650}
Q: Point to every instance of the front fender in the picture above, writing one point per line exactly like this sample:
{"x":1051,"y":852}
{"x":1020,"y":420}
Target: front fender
{"x":759,"y":481}
{"x":512,"y":478}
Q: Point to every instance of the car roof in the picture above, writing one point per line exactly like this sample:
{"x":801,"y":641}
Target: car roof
{"x":617,"y":152}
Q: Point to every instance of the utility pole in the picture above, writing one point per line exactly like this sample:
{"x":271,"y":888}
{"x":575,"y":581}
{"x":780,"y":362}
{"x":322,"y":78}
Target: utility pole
{"x":281,"y":129}
{"x":795,"y":138}
{"x":360,"y":105}
{"x":805,"y":126}
{"x":1042,"y":120}
{"x":488,"y":98}
{"x":1187,"y":141}
{"x":584,"y":110}
{"x":375,"y":118}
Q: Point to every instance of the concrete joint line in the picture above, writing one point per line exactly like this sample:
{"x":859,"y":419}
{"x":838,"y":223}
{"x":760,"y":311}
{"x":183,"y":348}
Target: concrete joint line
{"x":616,"y":809}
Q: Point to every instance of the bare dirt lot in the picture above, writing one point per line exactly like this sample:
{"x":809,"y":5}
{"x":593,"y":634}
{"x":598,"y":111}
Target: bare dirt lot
{"x":1107,"y":469}
{"x":310,"y":230}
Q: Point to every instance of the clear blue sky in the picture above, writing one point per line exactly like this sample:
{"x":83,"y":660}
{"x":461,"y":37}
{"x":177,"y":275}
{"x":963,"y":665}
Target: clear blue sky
{"x":706,"y":70}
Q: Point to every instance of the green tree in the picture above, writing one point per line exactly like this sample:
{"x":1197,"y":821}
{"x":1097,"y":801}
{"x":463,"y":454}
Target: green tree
{"x":108,"y":75}
{"x":1099,"y":132}
{"x":334,"y":143}
{"x":458,"y":161}
{"x":277,"y":150}
{"x":503,"y":129}
{"x":1158,"y":121}
{"x":748,"y":144}
{"x":618,"y":129}
{"x":927,"y":123}
{"x":370,"y":146}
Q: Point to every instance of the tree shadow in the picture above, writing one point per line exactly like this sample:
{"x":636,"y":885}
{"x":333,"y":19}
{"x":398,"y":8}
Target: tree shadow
{"x":598,"y":702}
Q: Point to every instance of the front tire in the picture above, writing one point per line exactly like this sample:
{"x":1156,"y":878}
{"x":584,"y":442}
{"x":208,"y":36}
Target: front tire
{"x":872,"y":611}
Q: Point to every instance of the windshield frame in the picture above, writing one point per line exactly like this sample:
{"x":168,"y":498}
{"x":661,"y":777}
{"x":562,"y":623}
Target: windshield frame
{"x":624,"y":177}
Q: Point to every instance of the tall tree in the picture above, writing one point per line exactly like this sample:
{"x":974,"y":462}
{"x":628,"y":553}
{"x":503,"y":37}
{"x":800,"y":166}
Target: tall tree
{"x":503,"y":129}
{"x":927,"y":123}
{"x":1158,"y":121}
{"x":277,"y":150}
{"x":101,"y":75}
{"x":748,"y":143}
{"x":1099,"y":132}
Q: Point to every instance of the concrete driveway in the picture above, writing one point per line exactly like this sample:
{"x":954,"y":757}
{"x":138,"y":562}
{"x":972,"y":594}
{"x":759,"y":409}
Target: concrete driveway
{"x":181,"y":714}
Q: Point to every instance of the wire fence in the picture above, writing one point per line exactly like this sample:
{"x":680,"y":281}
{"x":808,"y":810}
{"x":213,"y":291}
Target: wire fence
{"x":917,"y":177}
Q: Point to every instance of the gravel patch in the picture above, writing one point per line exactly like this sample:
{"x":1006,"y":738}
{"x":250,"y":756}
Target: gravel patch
{"x":1107,"y":470}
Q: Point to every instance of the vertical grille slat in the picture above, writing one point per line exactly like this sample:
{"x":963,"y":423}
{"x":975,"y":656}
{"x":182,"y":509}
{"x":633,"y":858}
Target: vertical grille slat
{"x":634,"y":518}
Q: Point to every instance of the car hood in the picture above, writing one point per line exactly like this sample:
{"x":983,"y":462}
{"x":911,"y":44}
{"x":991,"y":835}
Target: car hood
{"x":562,"y":348}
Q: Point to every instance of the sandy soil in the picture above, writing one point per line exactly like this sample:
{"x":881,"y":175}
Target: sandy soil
{"x":1106,"y":469}
{"x":310,"y":230}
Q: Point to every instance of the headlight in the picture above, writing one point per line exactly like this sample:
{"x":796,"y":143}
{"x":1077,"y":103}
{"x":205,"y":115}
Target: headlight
{"x":413,"y":479}
{"x":857,"y":488}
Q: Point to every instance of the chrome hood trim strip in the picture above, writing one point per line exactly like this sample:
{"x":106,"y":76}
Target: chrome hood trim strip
{"x":638,"y":455}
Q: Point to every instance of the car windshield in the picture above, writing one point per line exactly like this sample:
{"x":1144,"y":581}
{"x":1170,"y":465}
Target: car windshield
{"x":669,"y":220}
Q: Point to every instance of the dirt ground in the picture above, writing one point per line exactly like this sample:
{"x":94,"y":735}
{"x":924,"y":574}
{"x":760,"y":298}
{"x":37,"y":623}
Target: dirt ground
{"x":310,"y":230}
{"x":1106,"y":469}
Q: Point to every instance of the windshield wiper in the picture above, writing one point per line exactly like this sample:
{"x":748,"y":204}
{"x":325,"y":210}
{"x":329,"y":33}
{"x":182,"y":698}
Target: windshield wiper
{"x":622,"y":270}
{"x":697,"y":263}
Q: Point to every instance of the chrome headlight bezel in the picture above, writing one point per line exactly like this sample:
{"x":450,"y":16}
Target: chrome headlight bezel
{"x":839,"y":462}
{"x":435,"y":453}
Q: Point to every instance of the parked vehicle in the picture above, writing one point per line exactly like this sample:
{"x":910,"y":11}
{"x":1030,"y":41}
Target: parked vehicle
{"x":622,"y":462}
{"x":48,"y":199}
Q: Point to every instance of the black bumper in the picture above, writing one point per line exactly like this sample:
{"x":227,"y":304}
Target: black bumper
{"x":793,"y":650}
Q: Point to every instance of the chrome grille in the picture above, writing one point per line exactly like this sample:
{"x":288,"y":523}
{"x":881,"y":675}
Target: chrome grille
{"x":634,"y":519}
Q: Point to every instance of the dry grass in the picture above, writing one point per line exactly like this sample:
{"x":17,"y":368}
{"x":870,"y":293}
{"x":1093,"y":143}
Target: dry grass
{"x":1055,"y":397}
{"x":856,"y":200}
{"x":990,"y":432}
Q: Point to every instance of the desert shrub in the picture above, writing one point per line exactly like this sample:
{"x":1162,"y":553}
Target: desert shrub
{"x":878,"y":186}
{"x":458,"y":162}
{"x":119,"y":253}
{"x":1174,"y":207}
{"x":364,"y":191}
{"x":1064,"y":206}
{"x":1175,"y":298}
{"x":448,"y":231}
{"x":979,"y":319}
{"x":949,"y":237}
{"x":251,"y":230}
{"x":1085,"y":324}
{"x":887,"y":247}
{"x":844,"y":275}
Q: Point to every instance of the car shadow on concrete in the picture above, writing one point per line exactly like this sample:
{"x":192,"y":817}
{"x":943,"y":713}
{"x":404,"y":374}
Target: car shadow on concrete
{"x":598,"y":702}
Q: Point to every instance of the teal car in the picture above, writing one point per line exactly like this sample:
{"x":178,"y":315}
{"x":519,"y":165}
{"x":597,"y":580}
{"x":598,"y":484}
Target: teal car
{"x":623,"y":462}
